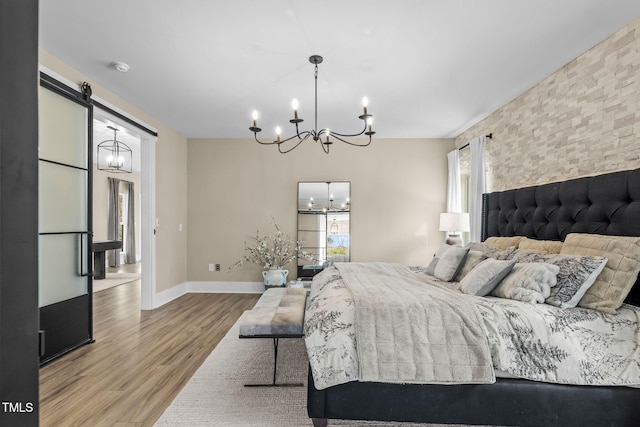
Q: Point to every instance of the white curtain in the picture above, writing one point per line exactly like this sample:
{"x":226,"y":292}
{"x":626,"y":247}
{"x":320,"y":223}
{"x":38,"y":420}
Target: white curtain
{"x":477,"y":188}
{"x":454,"y":200}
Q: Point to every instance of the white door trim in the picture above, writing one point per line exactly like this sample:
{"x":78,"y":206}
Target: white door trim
{"x":148,"y":222}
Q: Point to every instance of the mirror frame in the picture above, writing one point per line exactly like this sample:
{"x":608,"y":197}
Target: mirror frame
{"x":326,"y":202}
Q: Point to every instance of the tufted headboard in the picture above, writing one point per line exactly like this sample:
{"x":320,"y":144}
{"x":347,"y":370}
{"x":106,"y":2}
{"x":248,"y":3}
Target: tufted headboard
{"x":602,"y":204}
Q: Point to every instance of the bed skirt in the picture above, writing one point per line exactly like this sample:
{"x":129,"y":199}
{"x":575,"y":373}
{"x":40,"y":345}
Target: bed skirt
{"x":512,"y":402}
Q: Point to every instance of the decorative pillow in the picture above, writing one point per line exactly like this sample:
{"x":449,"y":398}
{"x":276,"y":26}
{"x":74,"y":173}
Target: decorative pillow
{"x":472,"y":259}
{"x":431,"y":268}
{"x":485,"y":276}
{"x":491,"y":252}
{"x":576,"y":275}
{"x":614,"y":284}
{"x":541,"y":246}
{"x":528,"y":282}
{"x":503,"y":242}
{"x":447,"y":265}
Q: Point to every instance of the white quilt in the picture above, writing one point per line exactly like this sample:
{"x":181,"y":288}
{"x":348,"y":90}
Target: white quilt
{"x":410,"y":332}
{"x":537,"y":342}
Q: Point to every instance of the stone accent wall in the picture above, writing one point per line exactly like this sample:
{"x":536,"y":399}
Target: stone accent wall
{"x":584,"y":119}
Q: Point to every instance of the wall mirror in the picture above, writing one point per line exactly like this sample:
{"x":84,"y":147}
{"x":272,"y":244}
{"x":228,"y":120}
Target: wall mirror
{"x":324,"y":224}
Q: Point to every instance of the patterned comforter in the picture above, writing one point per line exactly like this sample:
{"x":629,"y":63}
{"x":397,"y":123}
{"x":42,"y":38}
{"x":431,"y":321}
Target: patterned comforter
{"x":537,"y":342}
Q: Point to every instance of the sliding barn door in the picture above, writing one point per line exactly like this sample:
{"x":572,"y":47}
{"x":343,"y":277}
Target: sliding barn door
{"x":64,"y":221}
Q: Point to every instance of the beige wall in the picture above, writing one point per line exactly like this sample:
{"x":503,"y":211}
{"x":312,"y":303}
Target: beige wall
{"x":171,"y":209}
{"x":398,"y":189}
{"x":101,"y":203}
{"x":171,"y":180}
{"x":584,"y":119}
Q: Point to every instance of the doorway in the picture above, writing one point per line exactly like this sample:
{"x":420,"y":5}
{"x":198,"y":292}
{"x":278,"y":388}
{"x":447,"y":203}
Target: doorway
{"x":140,"y":264}
{"x":122,"y":265}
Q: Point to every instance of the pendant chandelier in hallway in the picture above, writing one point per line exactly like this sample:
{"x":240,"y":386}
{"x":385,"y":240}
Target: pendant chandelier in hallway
{"x":324,"y":136}
{"x":114,"y":155}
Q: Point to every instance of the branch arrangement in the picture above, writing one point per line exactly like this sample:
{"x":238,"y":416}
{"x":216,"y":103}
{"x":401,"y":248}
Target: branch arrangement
{"x":272,"y":251}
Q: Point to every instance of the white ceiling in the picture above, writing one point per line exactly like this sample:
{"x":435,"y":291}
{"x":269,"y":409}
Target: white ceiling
{"x":430,"y":68}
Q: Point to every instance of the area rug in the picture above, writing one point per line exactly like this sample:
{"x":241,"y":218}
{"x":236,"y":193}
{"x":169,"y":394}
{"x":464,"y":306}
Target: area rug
{"x":216,"y":396}
{"x":114,"y":279}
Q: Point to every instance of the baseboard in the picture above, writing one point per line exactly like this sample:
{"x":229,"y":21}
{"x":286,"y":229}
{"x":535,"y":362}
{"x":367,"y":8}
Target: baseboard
{"x":226,"y":287}
{"x":161,"y":298}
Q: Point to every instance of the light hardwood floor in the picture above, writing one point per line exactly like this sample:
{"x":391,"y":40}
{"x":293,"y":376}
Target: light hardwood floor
{"x":140,"y":360}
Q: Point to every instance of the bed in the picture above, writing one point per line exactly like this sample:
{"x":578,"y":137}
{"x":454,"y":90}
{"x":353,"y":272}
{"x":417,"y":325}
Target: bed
{"x":607,"y":204}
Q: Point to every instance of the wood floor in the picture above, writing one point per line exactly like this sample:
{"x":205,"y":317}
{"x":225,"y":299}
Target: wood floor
{"x":140,"y":360}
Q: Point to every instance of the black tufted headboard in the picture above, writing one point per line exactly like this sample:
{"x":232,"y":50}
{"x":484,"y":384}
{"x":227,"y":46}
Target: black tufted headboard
{"x":603,"y":204}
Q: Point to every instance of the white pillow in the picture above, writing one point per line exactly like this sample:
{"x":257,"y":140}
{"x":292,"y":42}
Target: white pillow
{"x":528,"y":282}
{"x":485,"y":276}
{"x":577,"y":274}
{"x":447,"y":261}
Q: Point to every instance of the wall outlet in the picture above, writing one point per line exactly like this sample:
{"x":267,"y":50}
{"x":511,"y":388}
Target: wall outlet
{"x":210,"y":267}
{"x":217,"y":267}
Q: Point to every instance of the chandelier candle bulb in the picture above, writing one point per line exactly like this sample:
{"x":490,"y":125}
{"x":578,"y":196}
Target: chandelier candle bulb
{"x":278,"y":132}
{"x":365,"y":104}
{"x":369,"y":122}
{"x":294,"y":104}
{"x":255,"y":118}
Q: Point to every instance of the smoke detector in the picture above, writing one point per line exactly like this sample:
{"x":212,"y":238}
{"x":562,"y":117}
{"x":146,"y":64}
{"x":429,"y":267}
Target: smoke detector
{"x":120,"y":66}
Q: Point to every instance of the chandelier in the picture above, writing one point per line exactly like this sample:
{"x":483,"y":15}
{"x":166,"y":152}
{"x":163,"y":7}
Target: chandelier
{"x":114,"y":155}
{"x":343,"y":207}
{"x":324,"y":136}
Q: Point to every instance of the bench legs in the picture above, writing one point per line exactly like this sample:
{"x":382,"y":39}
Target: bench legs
{"x":275,"y":366}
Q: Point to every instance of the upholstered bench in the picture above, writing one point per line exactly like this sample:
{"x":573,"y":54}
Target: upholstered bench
{"x":279,"y":313}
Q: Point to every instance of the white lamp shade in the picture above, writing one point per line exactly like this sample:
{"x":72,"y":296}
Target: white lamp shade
{"x":454,"y":221}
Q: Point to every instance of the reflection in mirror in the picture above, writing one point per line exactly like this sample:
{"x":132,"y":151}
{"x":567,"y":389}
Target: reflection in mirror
{"x":323,"y":224}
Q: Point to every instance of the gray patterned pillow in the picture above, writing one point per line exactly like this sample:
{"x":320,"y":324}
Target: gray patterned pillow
{"x":447,"y":261}
{"x":491,"y":252}
{"x":485,"y":276}
{"x":576,"y":275}
{"x":431,"y":268}
{"x":472,"y":259}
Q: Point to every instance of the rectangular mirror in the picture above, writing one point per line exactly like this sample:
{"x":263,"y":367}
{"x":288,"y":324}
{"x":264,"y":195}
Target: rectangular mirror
{"x":324,"y":224}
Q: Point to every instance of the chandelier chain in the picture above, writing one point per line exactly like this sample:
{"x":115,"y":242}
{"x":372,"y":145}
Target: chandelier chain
{"x":315,"y":127}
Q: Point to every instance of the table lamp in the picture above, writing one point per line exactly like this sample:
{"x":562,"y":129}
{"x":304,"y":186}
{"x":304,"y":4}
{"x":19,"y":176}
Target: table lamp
{"x":454,"y":223}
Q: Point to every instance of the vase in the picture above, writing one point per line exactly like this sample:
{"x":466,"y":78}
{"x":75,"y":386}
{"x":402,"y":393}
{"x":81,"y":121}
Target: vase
{"x":275,"y":277}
